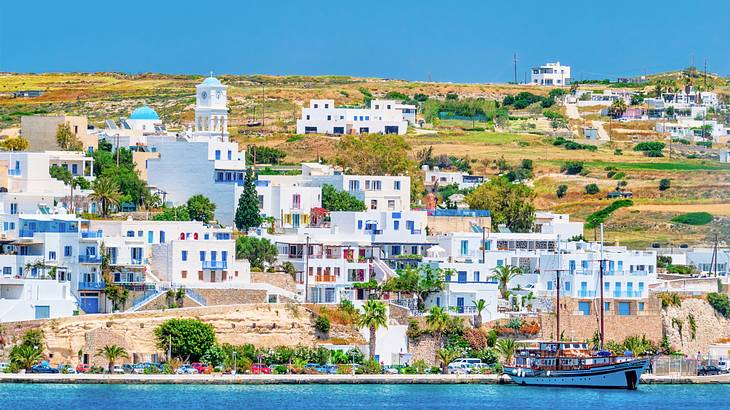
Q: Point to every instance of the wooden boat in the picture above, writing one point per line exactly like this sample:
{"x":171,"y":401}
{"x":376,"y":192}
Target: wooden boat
{"x":573,"y":364}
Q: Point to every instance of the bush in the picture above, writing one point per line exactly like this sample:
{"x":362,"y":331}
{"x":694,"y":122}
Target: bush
{"x":618,"y":151}
{"x":189,"y":337}
{"x":592,"y":189}
{"x":561,"y":191}
{"x":664,"y":184}
{"x":572,"y":167}
{"x":693,"y":218}
{"x":653,"y":154}
{"x":649,"y":146}
{"x":619,"y":175}
{"x":720,"y":303}
{"x":322,"y":324}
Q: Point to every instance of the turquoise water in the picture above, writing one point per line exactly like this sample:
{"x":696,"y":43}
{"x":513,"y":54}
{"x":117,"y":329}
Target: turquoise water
{"x":412,"y":397}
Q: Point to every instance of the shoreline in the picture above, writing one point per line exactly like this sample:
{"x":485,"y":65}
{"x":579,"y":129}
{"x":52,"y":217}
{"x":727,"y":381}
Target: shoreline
{"x":250,"y":379}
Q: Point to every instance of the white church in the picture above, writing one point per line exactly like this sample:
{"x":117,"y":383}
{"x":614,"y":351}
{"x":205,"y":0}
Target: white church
{"x":201,"y":159}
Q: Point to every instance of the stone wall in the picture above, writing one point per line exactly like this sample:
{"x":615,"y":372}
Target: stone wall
{"x":710,"y":326}
{"x":161,"y":303}
{"x":264,"y":325}
{"x":278,"y":279}
{"x":219,"y":297}
{"x":574,"y":325}
{"x":424,"y":348}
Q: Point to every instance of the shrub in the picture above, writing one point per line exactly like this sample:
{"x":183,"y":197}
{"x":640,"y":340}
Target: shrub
{"x":618,"y":151}
{"x":649,"y":146}
{"x":189,"y":337}
{"x":561,"y":191}
{"x":619,"y":175}
{"x":592,"y":189}
{"x":720,"y":303}
{"x":669,"y":299}
{"x":653,"y":154}
{"x":322,"y":324}
{"x":693,"y":218}
{"x":664,"y":184}
{"x":572,"y":167}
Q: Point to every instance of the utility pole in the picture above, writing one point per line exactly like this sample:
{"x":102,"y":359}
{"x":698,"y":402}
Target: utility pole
{"x":514,"y":60}
{"x":713,"y":261}
{"x":600,"y":285}
{"x":263,"y":105}
{"x":306,"y":269}
{"x":484,"y":244}
{"x":705,"y":74}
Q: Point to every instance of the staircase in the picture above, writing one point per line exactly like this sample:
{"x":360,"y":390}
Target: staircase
{"x":382,"y":270}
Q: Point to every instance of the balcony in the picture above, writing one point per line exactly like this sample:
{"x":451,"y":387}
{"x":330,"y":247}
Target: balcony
{"x":14,"y":172}
{"x":325,"y":278}
{"x":586,"y":293}
{"x":215,"y":265}
{"x":91,"y":285}
{"x":91,"y":234}
{"x":89,"y":259}
{"x":628,"y":294}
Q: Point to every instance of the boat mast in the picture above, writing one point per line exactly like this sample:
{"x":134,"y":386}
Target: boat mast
{"x":600,"y":284}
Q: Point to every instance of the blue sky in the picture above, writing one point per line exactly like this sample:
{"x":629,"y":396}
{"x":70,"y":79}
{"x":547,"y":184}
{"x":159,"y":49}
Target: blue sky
{"x":460,"y":41}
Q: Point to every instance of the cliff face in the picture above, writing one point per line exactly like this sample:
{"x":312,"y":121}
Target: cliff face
{"x":709,"y":326}
{"x":264,"y":325}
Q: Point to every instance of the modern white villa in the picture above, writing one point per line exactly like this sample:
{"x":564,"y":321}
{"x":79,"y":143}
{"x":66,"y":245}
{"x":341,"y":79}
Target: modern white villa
{"x":382,"y":117}
{"x":551,"y":74}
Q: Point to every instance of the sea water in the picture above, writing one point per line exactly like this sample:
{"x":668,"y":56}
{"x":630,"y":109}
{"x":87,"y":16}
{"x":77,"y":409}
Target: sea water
{"x":412,"y":397}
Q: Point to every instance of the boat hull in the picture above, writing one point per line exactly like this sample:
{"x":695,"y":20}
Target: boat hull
{"x":626,"y":375}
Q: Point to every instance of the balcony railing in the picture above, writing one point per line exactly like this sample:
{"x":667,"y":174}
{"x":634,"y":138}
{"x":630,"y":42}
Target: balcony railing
{"x":325,"y":278}
{"x":91,"y":234}
{"x":89,"y":259}
{"x":25,"y":233}
{"x":586,"y":293}
{"x":14,"y":172}
{"x":628,"y":294}
{"x":91,"y":285}
{"x":214,"y":265}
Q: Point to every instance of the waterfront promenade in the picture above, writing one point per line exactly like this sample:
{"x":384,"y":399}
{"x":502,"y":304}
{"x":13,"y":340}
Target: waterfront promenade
{"x":251,"y":379}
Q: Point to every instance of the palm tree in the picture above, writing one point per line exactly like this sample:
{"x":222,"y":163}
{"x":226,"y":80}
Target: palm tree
{"x":506,"y":348}
{"x":373,"y":318}
{"x":503,"y":274}
{"x":617,"y":109}
{"x":25,"y":356}
{"x":112,"y":353}
{"x":479,"y":306}
{"x":438,"y":322}
{"x":446,"y":356}
{"x":106,"y":192}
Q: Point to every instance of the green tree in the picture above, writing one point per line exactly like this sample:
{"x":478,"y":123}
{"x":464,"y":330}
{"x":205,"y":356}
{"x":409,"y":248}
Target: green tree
{"x":592,"y":189}
{"x":572,"y":167}
{"x":106,"y":193}
{"x":506,"y":349}
{"x":373,"y":318}
{"x":561,"y":191}
{"x":503,"y":274}
{"x":175,"y":213}
{"x":420,"y":281}
{"x":66,"y":139}
{"x":25,"y":357}
{"x":479,"y":306}
{"x":446,"y":356}
{"x":664,"y":184}
{"x":264,"y":155}
{"x":200,"y":208}
{"x":334,"y":200}
{"x":617,"y":109}
{"x":258,"y":251}
{"x":185,"y":337}
{"x":247,"y":212}
{"x":509,"y":204}
{"x":379,"y":154}
{"x":438,"y":322}
{"x":112,"y":353}
{"x":60,"y":173}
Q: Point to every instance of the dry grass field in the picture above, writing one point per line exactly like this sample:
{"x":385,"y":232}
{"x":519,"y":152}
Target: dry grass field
{"x":696,"y":185}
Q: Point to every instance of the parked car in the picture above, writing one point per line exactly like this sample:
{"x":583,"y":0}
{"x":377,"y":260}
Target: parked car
{"x":708,"y":370}
{"x":390,"y":370}
{"x":260,"y":368}
{"x":82,"y":368}
{"x":724,"y":365}
{"x":118,"y":369}
{"x":186,"y":369}
{"x":3,"y":366}
{"x":458,"y":368}
{"x":327,"y":369}
{"x":202,"y":368}
{"x":43,"y":369}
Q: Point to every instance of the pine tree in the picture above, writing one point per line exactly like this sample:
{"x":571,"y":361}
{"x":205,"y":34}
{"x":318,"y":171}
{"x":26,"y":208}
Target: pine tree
{"x":247,"y":212}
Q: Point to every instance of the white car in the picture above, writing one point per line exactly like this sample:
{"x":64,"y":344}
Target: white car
{"x":118,"y":369}
{"x":457,"y":368}
{"x":186,"y":369}
{"x":3,"y":366}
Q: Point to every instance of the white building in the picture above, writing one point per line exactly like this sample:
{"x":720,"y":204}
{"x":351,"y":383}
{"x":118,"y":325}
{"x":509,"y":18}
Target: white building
{"x":695,"y":130}
{"x":436,"y":177}
{"x":30,"y":299}
{"x":551,"y":74}
{"x":211,"y":111}
{"x":383,"y":117}
{"x":557,"y":224}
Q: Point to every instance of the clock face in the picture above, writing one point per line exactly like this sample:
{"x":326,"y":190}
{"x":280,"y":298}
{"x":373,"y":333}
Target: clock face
{"x":204,"y":95}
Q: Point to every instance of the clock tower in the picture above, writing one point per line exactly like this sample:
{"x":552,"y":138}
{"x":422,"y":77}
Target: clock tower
{"x":211,"y":110}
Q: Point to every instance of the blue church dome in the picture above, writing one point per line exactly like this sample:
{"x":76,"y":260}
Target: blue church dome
{"x":144,"y":113}
{"x":212,"y":81}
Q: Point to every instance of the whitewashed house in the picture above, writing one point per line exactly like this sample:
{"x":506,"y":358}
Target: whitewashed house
{"x":382,"y":117}
{"x":551,"y":74}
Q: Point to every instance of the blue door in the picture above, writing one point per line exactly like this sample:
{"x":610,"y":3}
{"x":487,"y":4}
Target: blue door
{"x":460,"y":305}
{"x":89,"y":304}
{"x":462,"y":276}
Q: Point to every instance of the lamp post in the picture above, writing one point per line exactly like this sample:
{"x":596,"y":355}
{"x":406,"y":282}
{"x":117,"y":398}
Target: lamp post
{"x":233,"y":372}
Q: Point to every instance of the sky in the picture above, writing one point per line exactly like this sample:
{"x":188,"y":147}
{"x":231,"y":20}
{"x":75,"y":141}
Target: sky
{"x":457,"y":41}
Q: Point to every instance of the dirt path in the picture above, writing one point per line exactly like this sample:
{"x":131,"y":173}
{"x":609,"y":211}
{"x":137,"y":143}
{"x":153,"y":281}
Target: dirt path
{"x":714,"y":209}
